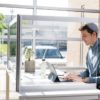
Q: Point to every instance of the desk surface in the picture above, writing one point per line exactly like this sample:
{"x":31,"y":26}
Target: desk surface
{"x":32,"y":85}
{"x":29,"y":80}
{"x":34,"y":82}
{"x":59,"y":91}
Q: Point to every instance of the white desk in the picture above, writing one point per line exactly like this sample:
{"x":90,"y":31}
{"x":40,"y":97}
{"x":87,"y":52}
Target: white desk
{"x":34,"y":88}
{"x":59,"y":91}
{"x":44,"y":89}
{"x":61,"y":95}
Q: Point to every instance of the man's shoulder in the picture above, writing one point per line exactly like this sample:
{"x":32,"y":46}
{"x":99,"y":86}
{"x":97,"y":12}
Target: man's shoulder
{"x":99,"y":43}
{"x":99,"y":39}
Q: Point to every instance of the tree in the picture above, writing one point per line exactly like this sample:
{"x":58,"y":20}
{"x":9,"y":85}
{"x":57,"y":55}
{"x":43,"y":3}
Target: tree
{"x":2,"y":24}
{"x":2,"y":27}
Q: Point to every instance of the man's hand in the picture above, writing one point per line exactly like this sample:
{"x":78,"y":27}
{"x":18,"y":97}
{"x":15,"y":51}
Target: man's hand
{"x":73,"y":77}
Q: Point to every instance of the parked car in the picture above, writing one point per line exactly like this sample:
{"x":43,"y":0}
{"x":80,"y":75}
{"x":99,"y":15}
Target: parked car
{"x":50,"y":54}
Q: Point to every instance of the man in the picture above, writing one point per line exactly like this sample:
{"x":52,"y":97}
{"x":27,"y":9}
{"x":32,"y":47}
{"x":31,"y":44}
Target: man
{"x":89,"y":33}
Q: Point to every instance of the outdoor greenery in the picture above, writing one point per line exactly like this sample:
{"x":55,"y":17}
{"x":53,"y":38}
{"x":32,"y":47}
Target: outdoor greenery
{"x":3,"y":46}
{"x":3,"y":49}
{"x":13,"y":31}
{"x":12,"y":48}
{"x":2,"y":24}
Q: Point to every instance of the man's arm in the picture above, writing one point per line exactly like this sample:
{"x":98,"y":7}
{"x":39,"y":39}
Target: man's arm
{"x":84,"y":74}
{"x":91,"y":79}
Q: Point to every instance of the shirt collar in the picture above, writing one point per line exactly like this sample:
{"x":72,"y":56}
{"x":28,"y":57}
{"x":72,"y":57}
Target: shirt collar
{"x":95,"y":44}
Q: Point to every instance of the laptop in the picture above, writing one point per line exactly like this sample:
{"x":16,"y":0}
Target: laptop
{"x":53,"y":75}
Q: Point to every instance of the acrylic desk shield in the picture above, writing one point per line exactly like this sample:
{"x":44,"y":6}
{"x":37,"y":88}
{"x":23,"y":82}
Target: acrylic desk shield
{"x":56,"y":40}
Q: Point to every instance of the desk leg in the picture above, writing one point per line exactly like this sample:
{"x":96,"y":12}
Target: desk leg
{"x":7,"y":86}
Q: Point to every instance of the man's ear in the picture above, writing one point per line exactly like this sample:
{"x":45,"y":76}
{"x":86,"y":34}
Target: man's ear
{"x":94,"y":34}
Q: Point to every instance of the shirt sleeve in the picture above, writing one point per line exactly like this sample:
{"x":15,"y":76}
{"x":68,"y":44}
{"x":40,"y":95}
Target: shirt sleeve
{"x":84,"y":74}
{"x":93,"y":79}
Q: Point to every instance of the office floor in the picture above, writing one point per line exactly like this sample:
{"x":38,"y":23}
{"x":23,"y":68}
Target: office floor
{"x":13,"y":95}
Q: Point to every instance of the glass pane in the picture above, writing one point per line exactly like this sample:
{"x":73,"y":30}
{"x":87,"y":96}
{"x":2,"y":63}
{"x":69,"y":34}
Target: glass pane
{"x":53,"y":3}
{"x":59,"y":13}
{"x":19,"y":2}
{"x":52,"y":13}
{"x":12,"y":41}
{"x":15,"y":11}
{"x":50,"y":39}
{"x":3,"y":41}
{"x":55,"y":41}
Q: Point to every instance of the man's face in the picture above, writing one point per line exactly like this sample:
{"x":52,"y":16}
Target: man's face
{"x":87,"y":37}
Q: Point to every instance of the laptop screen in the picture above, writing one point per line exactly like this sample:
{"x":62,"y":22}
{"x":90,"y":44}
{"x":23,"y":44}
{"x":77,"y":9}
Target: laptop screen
{"x":52,"y":68}
{"x":53,"y":74}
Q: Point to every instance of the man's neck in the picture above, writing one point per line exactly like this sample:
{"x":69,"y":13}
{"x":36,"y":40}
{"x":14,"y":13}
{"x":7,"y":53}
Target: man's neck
{"x":93,"y":42}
